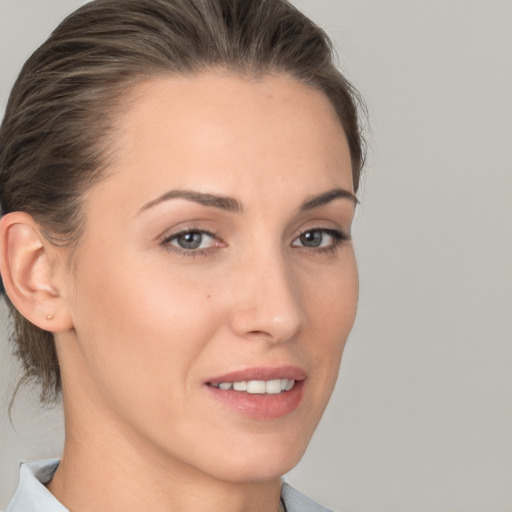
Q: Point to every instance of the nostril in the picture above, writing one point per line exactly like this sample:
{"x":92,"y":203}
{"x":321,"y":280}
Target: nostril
{"x":267,"y":309}
{"x":258,"y":333}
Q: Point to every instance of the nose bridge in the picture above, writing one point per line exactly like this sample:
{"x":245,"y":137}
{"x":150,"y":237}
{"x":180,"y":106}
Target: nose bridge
{"x":268,"y":301}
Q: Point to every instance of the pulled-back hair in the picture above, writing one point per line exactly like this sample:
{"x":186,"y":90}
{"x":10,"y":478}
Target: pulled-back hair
{"x":60,"y":118}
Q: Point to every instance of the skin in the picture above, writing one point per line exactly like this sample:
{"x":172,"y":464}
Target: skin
{"x":149,"y":321}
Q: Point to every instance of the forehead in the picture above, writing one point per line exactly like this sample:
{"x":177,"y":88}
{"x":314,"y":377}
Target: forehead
{"x":211,"y":128}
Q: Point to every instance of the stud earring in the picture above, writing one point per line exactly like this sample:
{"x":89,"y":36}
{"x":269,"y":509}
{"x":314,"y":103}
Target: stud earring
{"x":49,"y":317}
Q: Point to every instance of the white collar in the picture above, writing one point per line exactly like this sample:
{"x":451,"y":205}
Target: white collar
{"x":32,"y":495}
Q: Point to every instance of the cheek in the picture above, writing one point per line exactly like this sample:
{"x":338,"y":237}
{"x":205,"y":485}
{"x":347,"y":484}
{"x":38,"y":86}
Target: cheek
{"x":332,"y":305}
{"x":139,"y":329}
{"x":331,"y":299}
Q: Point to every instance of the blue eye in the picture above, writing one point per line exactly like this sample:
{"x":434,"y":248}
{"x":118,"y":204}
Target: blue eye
{"x":312,"y":238}
{"x":191,"y":240}
{"x":320,"y":239}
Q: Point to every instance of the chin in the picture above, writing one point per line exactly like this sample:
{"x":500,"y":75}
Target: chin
{"x":262,"y":460}
{"x":256,"y":470}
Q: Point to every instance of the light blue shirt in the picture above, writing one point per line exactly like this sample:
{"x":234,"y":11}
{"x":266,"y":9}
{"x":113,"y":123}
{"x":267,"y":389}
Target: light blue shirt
{"x":32,"y":496}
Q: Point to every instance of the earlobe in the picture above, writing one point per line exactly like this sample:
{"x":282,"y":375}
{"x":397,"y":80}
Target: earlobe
{"x":27,"y":268}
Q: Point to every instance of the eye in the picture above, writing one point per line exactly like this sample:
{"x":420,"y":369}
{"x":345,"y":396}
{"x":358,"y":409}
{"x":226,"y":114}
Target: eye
{"x":320,"y":239}
{"x":191,"y":240}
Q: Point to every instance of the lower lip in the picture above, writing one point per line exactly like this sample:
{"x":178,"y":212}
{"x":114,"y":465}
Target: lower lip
{"x":260,"y":406}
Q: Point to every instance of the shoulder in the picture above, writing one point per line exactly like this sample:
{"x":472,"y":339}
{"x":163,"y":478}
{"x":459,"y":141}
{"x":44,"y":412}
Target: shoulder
{"x":295,"y":501}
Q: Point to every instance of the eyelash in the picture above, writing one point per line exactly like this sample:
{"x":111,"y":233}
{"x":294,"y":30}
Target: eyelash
{"x":338,"y":238}
{"x":166,"y":242}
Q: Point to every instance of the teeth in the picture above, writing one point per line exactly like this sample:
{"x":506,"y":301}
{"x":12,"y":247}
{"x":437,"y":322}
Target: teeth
{"x":273,"y":386}
{"x":256,"y":386}
{"x":240,"y":386}
{"x":261,"y":387}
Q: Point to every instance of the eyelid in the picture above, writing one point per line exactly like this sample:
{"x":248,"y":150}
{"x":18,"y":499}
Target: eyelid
{"x":187,"y":231}
{"x":339,"y":237}
{"x":166,"y":242}
{"x":330,"y":230}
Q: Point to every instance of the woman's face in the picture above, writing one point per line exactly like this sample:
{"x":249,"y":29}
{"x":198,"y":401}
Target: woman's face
{"x":216,"y":257}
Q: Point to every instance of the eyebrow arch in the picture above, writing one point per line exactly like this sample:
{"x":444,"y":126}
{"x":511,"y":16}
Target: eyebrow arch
{"x":232,"y":205}
{"x":224,"y":203}
{"x":327,"y":197}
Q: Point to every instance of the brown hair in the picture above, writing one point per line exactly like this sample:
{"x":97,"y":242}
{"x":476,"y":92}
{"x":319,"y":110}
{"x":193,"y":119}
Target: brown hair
{"x":54,"y":138}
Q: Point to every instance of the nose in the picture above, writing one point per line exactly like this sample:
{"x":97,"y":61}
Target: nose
{"x":266,"y":302}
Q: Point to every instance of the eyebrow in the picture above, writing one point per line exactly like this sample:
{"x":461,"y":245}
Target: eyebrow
{"x":222,"y":202}
{"x":327,"y":197}
{"x":232,"y":205}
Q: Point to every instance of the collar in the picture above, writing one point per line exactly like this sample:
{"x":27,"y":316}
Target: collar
{"x":32,"y":495}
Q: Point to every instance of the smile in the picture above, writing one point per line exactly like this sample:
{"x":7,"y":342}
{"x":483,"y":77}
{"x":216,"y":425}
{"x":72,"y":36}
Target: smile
{"x":260,"y":387}
{"x":261,"y":393}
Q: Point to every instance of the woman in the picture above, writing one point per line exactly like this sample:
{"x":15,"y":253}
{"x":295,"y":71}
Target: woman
{"x":178,"y":182}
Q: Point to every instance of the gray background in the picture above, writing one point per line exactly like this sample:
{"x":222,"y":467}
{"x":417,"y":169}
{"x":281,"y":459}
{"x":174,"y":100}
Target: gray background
{"x":421,"y":419}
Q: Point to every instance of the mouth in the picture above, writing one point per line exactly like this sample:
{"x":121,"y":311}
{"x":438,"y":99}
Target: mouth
{"x":260,"y":393}
{"x":257,"y":387}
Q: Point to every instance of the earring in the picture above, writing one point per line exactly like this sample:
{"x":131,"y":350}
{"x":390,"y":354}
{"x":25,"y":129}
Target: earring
{"x":49,"y":317}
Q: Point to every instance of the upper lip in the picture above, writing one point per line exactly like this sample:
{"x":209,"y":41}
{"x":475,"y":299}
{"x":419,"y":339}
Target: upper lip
{"x":261,"y":373}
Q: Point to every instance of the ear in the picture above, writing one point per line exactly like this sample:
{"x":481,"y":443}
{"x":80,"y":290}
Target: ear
{"x":28,"y":264}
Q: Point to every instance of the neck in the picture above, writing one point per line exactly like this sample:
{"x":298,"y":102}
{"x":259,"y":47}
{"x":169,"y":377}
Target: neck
{"x":105,"y":468}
